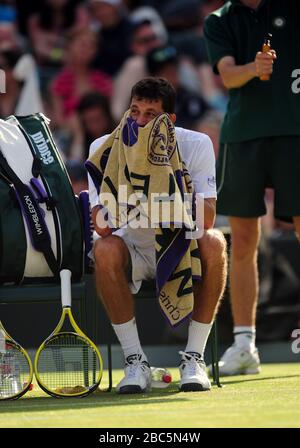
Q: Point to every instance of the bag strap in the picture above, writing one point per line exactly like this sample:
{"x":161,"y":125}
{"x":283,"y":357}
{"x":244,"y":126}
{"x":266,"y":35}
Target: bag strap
{"x":37,"y":227}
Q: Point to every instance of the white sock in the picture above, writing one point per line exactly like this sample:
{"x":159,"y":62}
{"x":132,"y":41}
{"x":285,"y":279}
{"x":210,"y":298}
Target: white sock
{"x":197,"y":337}
{"x":244,"y":337}
{"x":129,"y":339}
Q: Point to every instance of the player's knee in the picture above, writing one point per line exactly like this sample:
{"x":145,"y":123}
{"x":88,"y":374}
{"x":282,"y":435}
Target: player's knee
{"x":109,"y":253}
{"x":212,"y":245}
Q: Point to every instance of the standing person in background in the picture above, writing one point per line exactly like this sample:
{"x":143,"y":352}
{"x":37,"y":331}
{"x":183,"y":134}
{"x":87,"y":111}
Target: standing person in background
{"x":260,"y":144}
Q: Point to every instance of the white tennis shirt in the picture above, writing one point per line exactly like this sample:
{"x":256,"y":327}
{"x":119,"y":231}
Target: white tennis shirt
{"x":197,"y":151}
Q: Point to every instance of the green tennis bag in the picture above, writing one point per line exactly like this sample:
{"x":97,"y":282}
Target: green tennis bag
{"x":40,"y":223}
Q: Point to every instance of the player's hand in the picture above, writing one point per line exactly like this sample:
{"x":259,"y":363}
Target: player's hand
{"x":264,"y":63}
{"x":100,"y":224}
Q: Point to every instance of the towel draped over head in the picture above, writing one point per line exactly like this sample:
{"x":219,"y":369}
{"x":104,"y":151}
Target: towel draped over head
{"x":142,"y":181}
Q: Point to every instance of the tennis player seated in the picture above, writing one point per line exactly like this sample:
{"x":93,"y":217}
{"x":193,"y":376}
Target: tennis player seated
{"x":148,"y":155}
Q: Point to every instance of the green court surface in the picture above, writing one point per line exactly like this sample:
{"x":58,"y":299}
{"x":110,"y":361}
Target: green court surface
{"x":270,"y":399}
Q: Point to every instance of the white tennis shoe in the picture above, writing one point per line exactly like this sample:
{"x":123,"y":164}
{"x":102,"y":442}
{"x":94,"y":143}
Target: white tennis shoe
{"x":239,"y":361}
{"x":193,"y":373}
{"x":137,"y":377}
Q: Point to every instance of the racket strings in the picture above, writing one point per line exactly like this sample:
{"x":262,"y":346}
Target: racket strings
{"x":68,"y":364}
{"x":15,"y":372}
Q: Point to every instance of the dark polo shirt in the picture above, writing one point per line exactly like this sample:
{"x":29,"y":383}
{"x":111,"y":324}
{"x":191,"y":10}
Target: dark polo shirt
{"x":259,"y":109}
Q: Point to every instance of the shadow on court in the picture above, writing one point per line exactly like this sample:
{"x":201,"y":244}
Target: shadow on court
{"x":97,"y":399}
{"x":224,"y":379}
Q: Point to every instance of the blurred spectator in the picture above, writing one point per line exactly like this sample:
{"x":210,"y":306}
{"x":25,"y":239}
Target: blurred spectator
{"x":10,"y":38}
{"x":93,"y":119}
{"x":184,"y":21}
{"x":47,"y":30}
{"x":211,"y":85}
{"x":143,"y":39}
{"x":26,"y":9}
{"x":143,"y":13}
{"x":114,"y":31}
{"x":210,"y":124}
{"x":77,"y":78}
{"x":164,"y":62}
{"x":22,"y":93}
{"x":22,"y":96}
{"x":133,"y":4}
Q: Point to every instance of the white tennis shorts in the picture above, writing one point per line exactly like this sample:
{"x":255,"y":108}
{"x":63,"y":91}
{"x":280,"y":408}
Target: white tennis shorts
{"x":142,"y":253}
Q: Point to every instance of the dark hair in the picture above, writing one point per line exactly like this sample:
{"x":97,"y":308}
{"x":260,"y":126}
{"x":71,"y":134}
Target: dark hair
{"x":137,"y":24}
{"x":160,"y":57}
{"x":46,"y":14}
{"x":156,"y":89}
{"x":94,"y":99}
{"x":10,"y":58}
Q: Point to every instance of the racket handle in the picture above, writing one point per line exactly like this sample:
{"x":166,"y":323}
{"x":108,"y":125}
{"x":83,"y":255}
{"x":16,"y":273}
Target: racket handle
{"x":65,"y":277}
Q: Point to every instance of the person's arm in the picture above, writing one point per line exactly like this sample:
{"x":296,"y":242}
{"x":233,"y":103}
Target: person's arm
{"x":235,"y":76}
{"x":221,"y":49}
{"x":202,"y":169}
{"x":97,"y":218}
{"x":99,"y":222}
{"x":209,"y":213}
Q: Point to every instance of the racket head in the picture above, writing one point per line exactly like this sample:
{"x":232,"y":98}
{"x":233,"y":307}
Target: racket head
{"x":16,"y":371}
{"x":68,"y":364}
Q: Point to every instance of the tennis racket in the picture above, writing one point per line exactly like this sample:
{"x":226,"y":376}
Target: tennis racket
{"x":15,"y":368}
{"x":68,"y":363}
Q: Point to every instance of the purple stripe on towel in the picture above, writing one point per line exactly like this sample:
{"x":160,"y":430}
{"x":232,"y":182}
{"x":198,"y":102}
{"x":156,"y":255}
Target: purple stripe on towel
{"x":95,"y":174}
{"x":168,"y":262}
{"x":130,"y":132}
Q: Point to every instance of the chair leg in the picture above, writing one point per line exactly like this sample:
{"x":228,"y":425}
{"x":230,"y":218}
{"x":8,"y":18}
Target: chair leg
{"x":109,"y":352}
{"x":214,"y":355}
{"x":109,"y":359}
{"x":83,"y":312}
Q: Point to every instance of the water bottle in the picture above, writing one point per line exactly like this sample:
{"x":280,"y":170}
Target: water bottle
{"x":2,"y":343}
{"x":13,"y":373}
{"x":160,"y":377}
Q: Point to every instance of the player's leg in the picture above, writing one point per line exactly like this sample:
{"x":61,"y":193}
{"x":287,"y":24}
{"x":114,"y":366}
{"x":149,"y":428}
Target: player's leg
{"x":207,"y":295}
{"x":245,"y":234}
{"x":242,"y":177}
{"x":112,"y":266}
{"x":242,"y":357}
{"x":208,"y":292}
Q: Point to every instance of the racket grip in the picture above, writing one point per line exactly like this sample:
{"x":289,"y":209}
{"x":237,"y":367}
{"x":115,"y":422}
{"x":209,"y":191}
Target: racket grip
{"x":65,"y":277}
